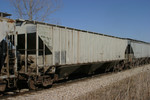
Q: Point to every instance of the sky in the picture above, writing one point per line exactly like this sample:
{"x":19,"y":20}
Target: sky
{"x":121,"y":18}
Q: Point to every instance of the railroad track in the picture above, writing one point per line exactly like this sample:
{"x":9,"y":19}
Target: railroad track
{"x":15,"y":93}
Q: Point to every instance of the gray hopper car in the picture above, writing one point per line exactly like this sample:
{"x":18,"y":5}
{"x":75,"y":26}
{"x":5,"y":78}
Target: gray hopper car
{"x":140,"y":51}
{"x":8,"y":57}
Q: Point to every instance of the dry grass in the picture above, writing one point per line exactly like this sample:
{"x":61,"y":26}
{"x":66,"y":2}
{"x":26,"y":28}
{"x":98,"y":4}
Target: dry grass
{"x":133,"y":88}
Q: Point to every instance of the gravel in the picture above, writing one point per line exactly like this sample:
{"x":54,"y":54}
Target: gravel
{"x":79,"y":88}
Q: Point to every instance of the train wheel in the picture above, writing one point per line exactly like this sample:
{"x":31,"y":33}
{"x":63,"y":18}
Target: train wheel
{"x":31,"y":84}
{"x":47,"y":82}
{"x":2,"y":87}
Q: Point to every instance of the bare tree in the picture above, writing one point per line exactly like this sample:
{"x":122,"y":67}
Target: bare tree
{"x":35,"y":9}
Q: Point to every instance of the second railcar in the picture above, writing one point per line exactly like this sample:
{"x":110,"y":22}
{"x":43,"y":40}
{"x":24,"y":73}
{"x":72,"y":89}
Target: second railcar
{"x":140,"y":51}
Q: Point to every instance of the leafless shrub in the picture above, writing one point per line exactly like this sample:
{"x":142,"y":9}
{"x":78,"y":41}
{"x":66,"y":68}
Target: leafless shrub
{"x":35,"y":9}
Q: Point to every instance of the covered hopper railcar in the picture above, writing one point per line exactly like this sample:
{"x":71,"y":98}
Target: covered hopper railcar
{"x":51,"y":52}
{"x":140,"y":52}
{"x":8,"y":59}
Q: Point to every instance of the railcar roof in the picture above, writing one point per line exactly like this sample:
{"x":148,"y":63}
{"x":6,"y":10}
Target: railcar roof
{"x":2,"y":14}
{"x":37,"y":22}
{"x":137,"y":41}
{"x":7,"y":19}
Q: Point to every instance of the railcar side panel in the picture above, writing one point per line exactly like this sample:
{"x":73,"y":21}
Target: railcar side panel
{"x":71,"y":46}
{"x":141,"y":50}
